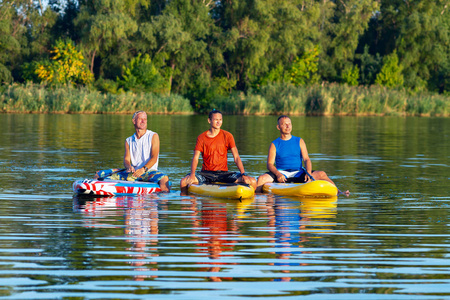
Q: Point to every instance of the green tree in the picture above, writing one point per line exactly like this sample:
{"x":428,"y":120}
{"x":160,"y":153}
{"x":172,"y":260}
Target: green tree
{"x":275,"y":75}
{"x":370,"y":66}
{"x":25,"y":33}
{"x":420,"y":32}
{"x":66,"y":67}
{"x":106,"y":28}
{"x":350,"y":75}
{"x":342,"y":31}
{"x":181,"y":38}
{"x":65,"y":24}
{"x":258,"y":36}
{"x":9,"y":43}
{"x":141,"y":75}
{"x":391,"y":72}
{"x":304,"y":69}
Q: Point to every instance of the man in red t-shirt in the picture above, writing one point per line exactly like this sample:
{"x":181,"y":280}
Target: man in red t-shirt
{"x":214,"y":144}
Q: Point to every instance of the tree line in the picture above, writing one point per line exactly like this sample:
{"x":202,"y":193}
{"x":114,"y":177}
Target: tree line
{"x":202,"y":49}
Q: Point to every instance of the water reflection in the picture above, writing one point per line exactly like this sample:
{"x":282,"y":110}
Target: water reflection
{"x":140,"y":220}
{"x":292,"y":221}
{"x":216,"y":229}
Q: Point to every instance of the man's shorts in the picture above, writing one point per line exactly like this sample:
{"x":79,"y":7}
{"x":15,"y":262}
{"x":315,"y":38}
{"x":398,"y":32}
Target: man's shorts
{"x":291,"y":176}
{"x":149,"y":176}
{"x":217,"y":176}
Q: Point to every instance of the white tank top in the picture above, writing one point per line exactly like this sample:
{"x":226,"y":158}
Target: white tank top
{"x":141,"y":149}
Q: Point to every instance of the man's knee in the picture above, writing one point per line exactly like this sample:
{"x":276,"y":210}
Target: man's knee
{"x":320,"y":175}
{"x":250,"y":180}
{"x":264,"y":178}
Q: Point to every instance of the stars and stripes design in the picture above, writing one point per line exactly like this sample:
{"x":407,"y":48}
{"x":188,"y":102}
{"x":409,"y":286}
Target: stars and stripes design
{"x":114,"y":187}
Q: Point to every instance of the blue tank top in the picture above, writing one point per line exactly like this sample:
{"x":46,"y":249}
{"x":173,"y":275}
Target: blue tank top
{"x":289,"y":155}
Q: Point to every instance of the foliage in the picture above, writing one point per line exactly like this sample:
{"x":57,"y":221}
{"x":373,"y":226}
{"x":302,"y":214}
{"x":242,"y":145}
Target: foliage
{"x":66,"y":67}
{"x":350,"y":75}
{"x":106,"y":28}
{"x":107,"y":86}
{"x":419,"y":32}
{"x":10,"y":39}
{"x":209,"y":50}
{"x":391,"y":72}
{"x":344,"y":23}
{"x":370,"y":66}
{"x":333,"y":99}
{"x":275,"y":75}
{"x":141,"y":75}
{"x":326,"y":99}
{"x":39,"y":99}
{"x":304,"y":70}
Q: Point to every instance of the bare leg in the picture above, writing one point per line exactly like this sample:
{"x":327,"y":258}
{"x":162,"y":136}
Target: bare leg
{"x":321,"y":175}
{"x":265,"y":178}
{"x":164,"y":184}
{"x":184,"y":184}
{"x":248,"y":180}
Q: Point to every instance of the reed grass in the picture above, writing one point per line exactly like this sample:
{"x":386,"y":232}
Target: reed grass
{"x":334,"y":99}
{"x":32,"y":98}
{"x":326,"y":99}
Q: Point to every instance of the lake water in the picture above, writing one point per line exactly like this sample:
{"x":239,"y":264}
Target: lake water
{"x":389,"y":240}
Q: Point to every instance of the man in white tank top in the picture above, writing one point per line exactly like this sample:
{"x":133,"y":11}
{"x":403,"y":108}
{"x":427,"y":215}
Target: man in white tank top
{"x":141,"y":156}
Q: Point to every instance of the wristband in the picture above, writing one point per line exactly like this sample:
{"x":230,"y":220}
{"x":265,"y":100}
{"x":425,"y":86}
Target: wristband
{"x":145,"y":168}
{"x":244,"y":174}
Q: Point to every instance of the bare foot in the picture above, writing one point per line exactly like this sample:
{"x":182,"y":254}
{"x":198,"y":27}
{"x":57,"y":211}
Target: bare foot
{"x":346,"y":193}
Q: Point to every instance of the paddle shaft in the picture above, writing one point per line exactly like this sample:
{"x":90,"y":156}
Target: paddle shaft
{"x":103,"y":178}
{"x":310,"y":176}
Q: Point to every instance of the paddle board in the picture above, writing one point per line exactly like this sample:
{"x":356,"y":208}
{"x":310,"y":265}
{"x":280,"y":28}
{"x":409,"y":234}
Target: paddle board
{"x":109,"y":187}
{"x":318,"y":188}
{"x":218,"y":190}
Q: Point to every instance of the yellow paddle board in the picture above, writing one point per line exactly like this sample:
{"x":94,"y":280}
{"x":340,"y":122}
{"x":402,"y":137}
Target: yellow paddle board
{"x":318,"y":188}
{"x":235,"y":191}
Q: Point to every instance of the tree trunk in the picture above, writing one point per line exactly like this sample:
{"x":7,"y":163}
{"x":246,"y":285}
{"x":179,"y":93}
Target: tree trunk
{"x":92,"y":62}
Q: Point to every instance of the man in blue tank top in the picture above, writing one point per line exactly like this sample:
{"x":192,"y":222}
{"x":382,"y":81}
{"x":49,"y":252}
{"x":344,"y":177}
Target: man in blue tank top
{"x":287,"y":154}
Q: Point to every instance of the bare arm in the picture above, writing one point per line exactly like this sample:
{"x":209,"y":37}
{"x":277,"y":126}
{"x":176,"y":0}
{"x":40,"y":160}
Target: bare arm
{"x":271,"y":163}
{"x":155,"y":152}
{"x":237,"y":159}
{"x":194,"y":165}
{"x":127,"y":159}
{"x":306,"y":159}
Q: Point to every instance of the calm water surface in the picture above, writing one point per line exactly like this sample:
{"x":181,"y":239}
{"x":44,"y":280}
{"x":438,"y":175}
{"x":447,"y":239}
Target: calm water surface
{"x":389,"y":240}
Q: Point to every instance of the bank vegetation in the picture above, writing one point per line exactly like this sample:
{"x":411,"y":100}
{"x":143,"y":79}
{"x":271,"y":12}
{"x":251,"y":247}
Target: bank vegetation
{"x":325,"y":99}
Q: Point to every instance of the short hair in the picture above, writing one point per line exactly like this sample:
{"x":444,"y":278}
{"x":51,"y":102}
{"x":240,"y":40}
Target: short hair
{"x":214,"y":111}
{"x":137,"y":113}
{"x":281,"y":117}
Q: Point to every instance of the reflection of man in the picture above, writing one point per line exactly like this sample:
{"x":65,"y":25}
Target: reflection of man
{"x":141,"y":220}
{"x":214,"y":144}
{"x":214,"y":219}
{"x":141,"y":156}
{"x":287,"y":154}
{"x":288,"y":226}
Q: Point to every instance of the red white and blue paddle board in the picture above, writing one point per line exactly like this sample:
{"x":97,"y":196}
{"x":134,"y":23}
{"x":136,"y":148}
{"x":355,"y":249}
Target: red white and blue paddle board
{"x":109,"y":187}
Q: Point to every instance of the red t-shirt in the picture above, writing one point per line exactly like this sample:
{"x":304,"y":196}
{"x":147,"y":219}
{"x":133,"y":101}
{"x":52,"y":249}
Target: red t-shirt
{"x":214,"y":150}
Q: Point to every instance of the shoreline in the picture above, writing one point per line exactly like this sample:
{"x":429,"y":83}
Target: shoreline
{"x":316,"y":100}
